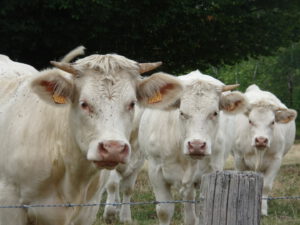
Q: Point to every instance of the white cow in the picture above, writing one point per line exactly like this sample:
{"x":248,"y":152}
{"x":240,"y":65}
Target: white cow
{"x":188,"y":141}
{"x":264,"y":134}
{"x":58,"y":132}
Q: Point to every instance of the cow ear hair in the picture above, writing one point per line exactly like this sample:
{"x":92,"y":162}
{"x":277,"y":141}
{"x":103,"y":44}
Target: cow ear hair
{"x":285,"y":115}
{"x":53,"y":87}
{"x":160,"y":91}
{"x":233,"y":103}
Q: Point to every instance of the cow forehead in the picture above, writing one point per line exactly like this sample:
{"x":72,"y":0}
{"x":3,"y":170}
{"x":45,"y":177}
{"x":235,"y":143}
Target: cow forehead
{"x":261,"y":114}
{"x":107,"y":76}
{"x":201,"y":94}
{"x":100,"y":88}
{"x":108,"y":65}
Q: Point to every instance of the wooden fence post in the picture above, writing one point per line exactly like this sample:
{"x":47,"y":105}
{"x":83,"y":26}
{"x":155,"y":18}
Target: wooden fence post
{"x":231,"y":198}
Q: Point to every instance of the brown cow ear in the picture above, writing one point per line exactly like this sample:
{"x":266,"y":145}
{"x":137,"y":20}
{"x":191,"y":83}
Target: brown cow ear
{"x":53,"y":88}
{"x":234,"y":102}
{"x":285,"y":115}
{"x":159,"y":91}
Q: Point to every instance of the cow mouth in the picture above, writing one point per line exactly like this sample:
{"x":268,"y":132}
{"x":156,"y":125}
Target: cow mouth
{"x":106,"y":164}
{"x":197,"y":156}
{"x":260,"y":147}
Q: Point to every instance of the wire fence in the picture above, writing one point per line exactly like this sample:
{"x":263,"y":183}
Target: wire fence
{"x":126,"y":203}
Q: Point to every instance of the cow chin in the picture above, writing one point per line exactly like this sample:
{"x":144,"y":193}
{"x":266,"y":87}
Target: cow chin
{"x":197,"y":156}
{"x":110,"y":165}
{"x":261,"y":147}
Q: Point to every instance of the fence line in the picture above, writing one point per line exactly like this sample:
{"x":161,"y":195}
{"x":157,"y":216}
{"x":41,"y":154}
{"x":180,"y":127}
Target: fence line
{"x":125,"y":203}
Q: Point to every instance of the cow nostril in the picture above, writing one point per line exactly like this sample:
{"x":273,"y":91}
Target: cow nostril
{"x":261,"y":141}
{"x":197,"y":145}
{"x":125,"y":149}
{"x":102,"y":148}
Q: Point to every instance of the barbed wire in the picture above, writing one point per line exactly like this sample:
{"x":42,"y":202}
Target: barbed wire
{"x":101,"y":204}
{"x":126,"y":203}
{"x":283,"y":198}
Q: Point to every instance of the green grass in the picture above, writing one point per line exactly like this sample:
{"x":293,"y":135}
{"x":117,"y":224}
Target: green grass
{"x":285,"y":212}
{"x":281,"y":212}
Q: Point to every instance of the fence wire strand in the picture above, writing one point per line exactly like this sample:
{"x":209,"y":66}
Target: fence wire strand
{"x":125,"y":203}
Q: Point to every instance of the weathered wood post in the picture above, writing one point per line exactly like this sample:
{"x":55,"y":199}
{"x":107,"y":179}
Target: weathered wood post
{"x":231,"y":198}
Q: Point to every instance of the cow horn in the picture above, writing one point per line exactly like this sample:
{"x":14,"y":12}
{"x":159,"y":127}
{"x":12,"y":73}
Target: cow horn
{"x":64,"y":66}
{"x":145,"y":67}
{"x":229,"y":87}
{"x":279,"y":108}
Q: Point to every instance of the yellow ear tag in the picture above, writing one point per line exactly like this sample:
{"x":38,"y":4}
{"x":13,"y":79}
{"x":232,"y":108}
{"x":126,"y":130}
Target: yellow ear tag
{"x":156,"y":98}
{"x":58,"y":99}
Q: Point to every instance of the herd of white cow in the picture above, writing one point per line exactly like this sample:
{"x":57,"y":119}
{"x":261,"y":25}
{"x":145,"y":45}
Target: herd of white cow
{"x":71,"y":132}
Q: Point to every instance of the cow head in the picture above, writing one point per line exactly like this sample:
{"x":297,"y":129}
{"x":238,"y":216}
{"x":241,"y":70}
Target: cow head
{"x":101,"y":95}
{"x":199,"y":111}
{"x":262,"y":120}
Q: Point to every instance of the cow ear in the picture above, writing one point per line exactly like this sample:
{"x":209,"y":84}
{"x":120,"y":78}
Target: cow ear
{"x":285,"y":115}
{"x":160,"y":91}
{"x":233,"y":103}
{"x":53,"y":87}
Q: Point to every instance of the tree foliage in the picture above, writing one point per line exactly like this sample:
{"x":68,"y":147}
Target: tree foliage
{"x":279,"y":74}
{"x":183,"y":33}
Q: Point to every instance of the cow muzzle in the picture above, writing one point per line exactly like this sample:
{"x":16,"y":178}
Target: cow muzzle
{"x":197,"y":149}
{"x":261,"y":142}
{"x":112,"y":153}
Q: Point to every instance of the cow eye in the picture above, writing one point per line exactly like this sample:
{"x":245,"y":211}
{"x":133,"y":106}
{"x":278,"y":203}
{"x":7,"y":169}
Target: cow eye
{"x":272,"y":123}
{"x":84,"y":105}
{"x":213,"y":115}
{"x":131,"y":105}
{"x":250,"y":122}
{"x":183,"y":115}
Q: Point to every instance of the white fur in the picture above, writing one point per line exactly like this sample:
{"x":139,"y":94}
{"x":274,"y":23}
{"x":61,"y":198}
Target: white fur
{"x":9,"y":68}
{"x":73,"y":54}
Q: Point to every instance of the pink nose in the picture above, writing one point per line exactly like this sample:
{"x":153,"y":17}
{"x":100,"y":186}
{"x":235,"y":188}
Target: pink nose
{"x":113,"y":151}
{"x":197,"y":147}
{"x":261,"y":142}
